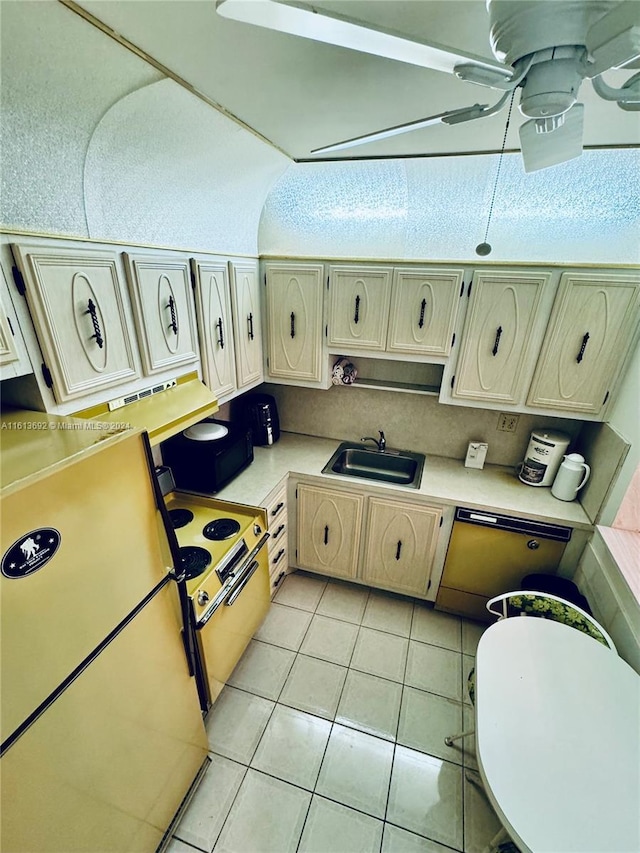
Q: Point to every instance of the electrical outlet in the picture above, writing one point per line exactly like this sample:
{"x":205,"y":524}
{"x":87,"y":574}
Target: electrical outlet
{"x":508,"y":423}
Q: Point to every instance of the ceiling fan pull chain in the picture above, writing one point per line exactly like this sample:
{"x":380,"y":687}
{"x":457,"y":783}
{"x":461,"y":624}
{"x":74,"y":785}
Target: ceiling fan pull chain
{"x":484,"y":248}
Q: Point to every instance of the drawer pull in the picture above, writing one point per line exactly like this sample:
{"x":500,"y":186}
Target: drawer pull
{"x":277,"y":508}
{"x":278,"y":556}
{"x":278,"y":531}
{"x":278,"y":579}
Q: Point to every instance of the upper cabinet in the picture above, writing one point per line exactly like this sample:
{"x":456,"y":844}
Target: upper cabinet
{"x":294,"y":322}
{"x":215,"y":327}
{"x":77,"y":303}
{"x":245,"y":302}
{"x":160,"y":290}
{"x":359,"y":307}
{"x":14,"y":359}
{"x":394,"y":310}
{"x":424,"y":303}
{"x":589,"y":335}
{"x":501,"y":337}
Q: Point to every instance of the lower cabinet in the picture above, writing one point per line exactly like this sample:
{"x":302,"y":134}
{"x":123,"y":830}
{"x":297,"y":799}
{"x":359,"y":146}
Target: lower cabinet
{"x":277,"y":550}
{"x":400,"y":545}
{"x":329,"y":526}
{"x":384,"y":542}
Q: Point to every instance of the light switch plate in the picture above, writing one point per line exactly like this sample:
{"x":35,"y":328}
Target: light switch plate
{"x":476,"y":454}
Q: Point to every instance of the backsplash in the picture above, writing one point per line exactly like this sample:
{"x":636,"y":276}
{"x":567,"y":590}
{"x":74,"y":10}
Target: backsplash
{"x":409,"y":421}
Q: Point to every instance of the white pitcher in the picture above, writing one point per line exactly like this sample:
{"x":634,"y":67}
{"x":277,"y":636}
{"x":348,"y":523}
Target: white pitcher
{"x":571,"y":477}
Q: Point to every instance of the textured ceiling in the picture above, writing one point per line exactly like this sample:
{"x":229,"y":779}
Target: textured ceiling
{"x":301,"y":95}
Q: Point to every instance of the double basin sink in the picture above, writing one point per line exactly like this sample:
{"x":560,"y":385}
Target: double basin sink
{"x":400,"y":467}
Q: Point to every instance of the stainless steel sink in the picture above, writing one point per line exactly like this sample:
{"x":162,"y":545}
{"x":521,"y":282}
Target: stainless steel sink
{"x":401,"y":467}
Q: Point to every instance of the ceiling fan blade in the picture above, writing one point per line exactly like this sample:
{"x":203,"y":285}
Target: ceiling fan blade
{"x":320,"y":25}
{"x":614,"y":40}
{"x":541,"y":150}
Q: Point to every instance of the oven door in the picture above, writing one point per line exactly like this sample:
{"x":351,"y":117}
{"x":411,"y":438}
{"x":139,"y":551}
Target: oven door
{"x":225,"y":628}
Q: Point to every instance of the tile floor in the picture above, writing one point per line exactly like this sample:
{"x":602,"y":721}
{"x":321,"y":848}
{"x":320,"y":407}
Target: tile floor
{"x":329,"y":736}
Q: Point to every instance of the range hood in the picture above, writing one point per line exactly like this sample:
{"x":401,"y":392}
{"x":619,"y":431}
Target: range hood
{"x":163,"y":412}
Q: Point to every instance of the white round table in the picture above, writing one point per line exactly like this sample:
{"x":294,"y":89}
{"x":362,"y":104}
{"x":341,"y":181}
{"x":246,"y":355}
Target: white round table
{"x":558,"y":738}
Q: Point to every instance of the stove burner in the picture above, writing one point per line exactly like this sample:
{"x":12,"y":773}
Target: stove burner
{"x":194,"y":560}
{"x":180,"y":517}
{"x":221,"y":528}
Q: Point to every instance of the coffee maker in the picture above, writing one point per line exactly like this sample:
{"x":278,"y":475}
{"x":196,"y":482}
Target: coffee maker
{"x":261,"y":414}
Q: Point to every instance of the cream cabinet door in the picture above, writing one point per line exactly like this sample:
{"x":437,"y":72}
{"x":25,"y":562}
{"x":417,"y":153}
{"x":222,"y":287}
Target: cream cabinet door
{"x":501,"y":337}
{"x":14,"y":359}
{"x":294,"y":321}
{"x":401,"y":544}
{"x":213,"y":308}
{"x":424,"y":304}
{"x":76,"y":300}
{"x":160,"y":288}
{"x":329,"y":531}
{"x":591,"y":329}
{"x":359,"y":307}
{"x":245,"y":302}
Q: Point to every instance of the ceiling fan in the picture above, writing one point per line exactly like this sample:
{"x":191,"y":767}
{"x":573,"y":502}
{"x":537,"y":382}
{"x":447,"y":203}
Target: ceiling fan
{"x":544,"y":48}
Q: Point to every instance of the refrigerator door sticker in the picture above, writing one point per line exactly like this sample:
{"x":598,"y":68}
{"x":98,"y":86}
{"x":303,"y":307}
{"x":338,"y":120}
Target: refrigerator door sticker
{"x":30,"y":553}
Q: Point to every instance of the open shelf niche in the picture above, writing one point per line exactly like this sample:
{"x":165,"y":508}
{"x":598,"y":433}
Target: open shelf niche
{"x":404,"y":376}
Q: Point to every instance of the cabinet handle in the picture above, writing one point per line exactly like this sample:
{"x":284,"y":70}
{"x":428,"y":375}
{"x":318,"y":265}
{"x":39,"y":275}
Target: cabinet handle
{"x":398,"y":549}
{"x":423,"y":306}
{"x":326,"y":534}
{"x":277,"y":508}
{"x":171,"y":305}
{"x":293,"y":325}
{"x":278,"y":579}
{"x":220,"y":334}
{"x":496,"y":345}
{"x":580,"y":355}
{"x":250,"y":322}
{"x":97,"y":333}
{"x":278,"y":531}
{"x":278,"y":556}
{"x":356,"y":316}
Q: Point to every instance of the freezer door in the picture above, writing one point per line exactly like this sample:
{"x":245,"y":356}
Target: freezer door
{"x":98,"y":507}
{"x":106,"y":766}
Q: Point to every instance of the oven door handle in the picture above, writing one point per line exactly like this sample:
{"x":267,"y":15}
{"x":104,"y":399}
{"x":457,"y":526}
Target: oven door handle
{"x":233,"y":583}
{"x":244,"y":580}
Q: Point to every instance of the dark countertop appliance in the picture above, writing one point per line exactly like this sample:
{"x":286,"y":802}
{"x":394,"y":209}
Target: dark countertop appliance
{"x":261,"y":413}
{"x":207,"y":456}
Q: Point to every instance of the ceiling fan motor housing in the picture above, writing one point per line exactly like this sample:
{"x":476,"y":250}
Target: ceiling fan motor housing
{"x":551,"y":85}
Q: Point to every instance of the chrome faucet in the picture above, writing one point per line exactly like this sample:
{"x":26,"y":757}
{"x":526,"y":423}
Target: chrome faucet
{"x":381,"y":444}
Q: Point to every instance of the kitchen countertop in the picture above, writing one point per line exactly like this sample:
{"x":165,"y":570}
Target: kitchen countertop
{"x":445,"y":481}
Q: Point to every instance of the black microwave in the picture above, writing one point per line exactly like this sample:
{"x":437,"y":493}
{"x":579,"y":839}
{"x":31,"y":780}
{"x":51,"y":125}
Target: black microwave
{"x":206,"y":466}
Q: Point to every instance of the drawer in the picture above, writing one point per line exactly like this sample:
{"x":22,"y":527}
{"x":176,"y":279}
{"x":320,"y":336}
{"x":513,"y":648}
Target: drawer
{"x":276,"y":505}
{"x":276,"y":579}
{"x":278,"y":559}
{"x":278,"y":531}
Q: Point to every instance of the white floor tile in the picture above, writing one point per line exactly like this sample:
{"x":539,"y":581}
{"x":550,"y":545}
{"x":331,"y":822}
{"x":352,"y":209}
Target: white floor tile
{"x":344,"y":601}
{"x":284,"y":626}
{"x":177,"y":846}
{"x":207,"y":811}
{"x":332,"y":828}
{"x":387,"y":613}
{"x":396,"y":840}
{"x":471,"y":633}
{"x":300,"y":590}
{"x":425,"y":721}
{"x":262,"y":669}
{"x":439,"y":629}
{"x":355,"y":770}
{"x":292,"y":746}
{"x":315,"y":686}
{"x":370,"y":704}
{"x":480,"y":821}
{"x":267,"y":817}
{"x":434,"y":669}
{"x":330,"y":639}
{"x":426,"y":797}
{"x":236,"y":722}
{"x":379,"y":653}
